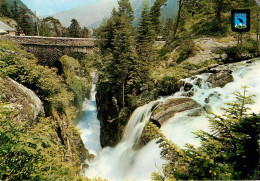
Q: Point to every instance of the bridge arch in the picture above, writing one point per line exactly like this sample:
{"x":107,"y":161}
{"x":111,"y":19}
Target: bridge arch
{"x":48,"y":50}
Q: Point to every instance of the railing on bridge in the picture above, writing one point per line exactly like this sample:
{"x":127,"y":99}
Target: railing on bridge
{"x":51,"y":41}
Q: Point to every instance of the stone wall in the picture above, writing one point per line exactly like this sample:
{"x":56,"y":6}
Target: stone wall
{"x":58,"y":41}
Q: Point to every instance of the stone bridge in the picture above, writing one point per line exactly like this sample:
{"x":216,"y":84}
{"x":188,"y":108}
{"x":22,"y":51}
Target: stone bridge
{"x":48,"y":50}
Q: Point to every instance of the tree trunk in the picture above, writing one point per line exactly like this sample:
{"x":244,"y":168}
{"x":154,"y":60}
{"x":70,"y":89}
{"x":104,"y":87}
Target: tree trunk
{"x":257,"y":31}
{"x":123,"y":93}
{"x":178,"y":19}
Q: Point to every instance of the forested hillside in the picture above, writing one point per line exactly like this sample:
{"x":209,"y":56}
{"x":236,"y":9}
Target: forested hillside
{"x":37,"y":109}
{"x":93,"y":14}
{"x":133,"y":71}
{"x":17,"y":15}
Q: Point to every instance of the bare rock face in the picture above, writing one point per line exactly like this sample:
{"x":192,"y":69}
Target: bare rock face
{"x":166,"y":110}
{"x":169,"y":108}
{"x":27,"y":105}
{"x":220,"y":79}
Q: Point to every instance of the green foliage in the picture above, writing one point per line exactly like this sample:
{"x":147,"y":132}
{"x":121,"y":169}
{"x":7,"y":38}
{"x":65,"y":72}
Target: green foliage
{"x":229,"y":151}
{"x":41,"y":151}
{"x":186,"y":49}
{"x":85,"y":33}
{"x":50,"y":26}
{"x":75,"y":80}
{"x":44,"y":81}
{"x":21,"y":16}
{"x":30,"y":154}
{"x":155,"y":14}
{"x":4,"y":9}
{"x":168,"y":28}
{"x":74,"y":29}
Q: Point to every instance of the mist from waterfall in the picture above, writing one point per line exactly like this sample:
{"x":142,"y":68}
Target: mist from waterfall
{"x":123,"y":162}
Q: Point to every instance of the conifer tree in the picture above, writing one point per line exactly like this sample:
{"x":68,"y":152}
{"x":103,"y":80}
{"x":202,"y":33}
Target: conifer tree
{"x":85,"y":33}
{"x":4,"y":9}
{"x":155,"y":15}
{"x":124,"y":53}
{"x":126,"y":8}
{"x":15,"y":11}
{"x":168,"y":28}
{"x":229,"y":151}
{"x":74,"y":29}
{"x":145,"y":41}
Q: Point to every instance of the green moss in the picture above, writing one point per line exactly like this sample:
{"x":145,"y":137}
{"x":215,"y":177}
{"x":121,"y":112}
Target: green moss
{"x":81,"y":86}
{"x":58,"y":95}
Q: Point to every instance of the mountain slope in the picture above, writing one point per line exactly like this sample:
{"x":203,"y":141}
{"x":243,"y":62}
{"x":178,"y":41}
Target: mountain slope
{"x":93,"y":14}
{"x":89,"y":16}
{"x":10,"y":4}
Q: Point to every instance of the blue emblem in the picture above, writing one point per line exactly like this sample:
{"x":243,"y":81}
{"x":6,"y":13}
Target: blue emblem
{"x":240,"y":20}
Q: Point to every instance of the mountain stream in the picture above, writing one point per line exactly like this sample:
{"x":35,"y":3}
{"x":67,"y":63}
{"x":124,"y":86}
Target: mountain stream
{"x":125,"y":163}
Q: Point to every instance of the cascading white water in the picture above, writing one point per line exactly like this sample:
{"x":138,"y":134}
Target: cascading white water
{"x":89,"y":125}
{"x":123,"y":162}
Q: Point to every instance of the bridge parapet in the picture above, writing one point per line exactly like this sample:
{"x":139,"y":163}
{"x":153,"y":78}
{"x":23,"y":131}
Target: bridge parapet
{"x":52,"y":41}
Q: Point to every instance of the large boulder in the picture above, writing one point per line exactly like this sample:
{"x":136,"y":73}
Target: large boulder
{"x":166,"y":110}
{"x":26,"y":104}
{"x":220,"y":79}
{"x":170,"y":107}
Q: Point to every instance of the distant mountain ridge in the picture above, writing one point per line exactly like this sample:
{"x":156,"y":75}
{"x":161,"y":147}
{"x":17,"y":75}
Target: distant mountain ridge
{"x":20,"y":3}
{"x":93,"y":14}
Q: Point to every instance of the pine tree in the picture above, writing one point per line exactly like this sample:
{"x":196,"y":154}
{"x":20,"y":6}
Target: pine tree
{"x":124,"y":55}
{"x":15,"y":11}
{"x":126,"y":9}
{"x":155,"y":15}
{"x":145,"y":42}
{"x":85,"y":33}
{"x":168,"y":28}
{"x":4,"y":9}
{"x":74,"y":29}
{"x":105,"y":35}
{"x":229,"y":151}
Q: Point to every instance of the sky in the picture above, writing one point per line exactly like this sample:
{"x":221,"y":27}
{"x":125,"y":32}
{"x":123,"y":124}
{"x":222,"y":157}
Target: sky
{"x":49,"y":7}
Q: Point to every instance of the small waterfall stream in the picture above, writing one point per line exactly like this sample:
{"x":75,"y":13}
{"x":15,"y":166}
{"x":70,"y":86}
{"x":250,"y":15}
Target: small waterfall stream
{"x":89,"y":125}
{"x":125,"y":163}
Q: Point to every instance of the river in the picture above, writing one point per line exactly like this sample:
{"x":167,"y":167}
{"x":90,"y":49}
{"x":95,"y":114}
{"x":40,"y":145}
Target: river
{"x":125,"y":163}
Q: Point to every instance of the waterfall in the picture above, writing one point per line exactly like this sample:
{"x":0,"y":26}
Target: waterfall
{"x":123,"y":162}
{"x":89,"y":125}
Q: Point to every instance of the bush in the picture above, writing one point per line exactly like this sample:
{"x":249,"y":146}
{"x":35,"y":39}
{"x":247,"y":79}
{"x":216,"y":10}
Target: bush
{"x":186,"y":50}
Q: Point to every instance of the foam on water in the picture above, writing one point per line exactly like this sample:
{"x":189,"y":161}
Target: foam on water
{"x":125,"y":163}
{"x":89,"y":125}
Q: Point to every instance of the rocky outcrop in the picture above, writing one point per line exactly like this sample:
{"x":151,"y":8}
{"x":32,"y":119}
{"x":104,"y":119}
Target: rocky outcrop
{"x":108,"y":112}
{"x":166,"y":110}
{"x":206,"y":49}
{"x":220,"y":79}
{"x":170,"y":107}
{"x":27,"y":105}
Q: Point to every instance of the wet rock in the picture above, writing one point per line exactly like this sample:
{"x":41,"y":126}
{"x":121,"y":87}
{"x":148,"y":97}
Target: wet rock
{"x":198,"y":82}
{"x":187,"y":86}
{"x":145,"y":138}
{"x":169,"y":108}
{"x":215,"y":94}
{"x":197,"y":112}
{"x":220,"y":79}
{"x":107,"y":105}
{"x":27,"y":105}
{"x":166,"y":110}
{"x":188,"y":94}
